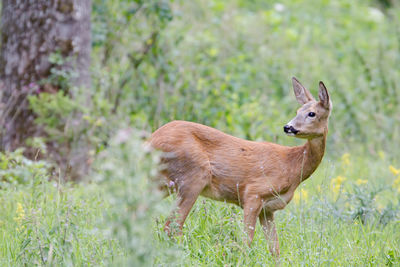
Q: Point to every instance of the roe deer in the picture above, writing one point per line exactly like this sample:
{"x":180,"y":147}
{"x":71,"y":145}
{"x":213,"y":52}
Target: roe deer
{"x":260,"y":177}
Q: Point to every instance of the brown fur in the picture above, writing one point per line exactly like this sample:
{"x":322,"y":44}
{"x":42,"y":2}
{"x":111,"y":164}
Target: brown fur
{"x":261,"y":177}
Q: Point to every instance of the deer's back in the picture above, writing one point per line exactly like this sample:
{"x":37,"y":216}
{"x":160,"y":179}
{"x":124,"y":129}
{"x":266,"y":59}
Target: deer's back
{"x":228,"y":161}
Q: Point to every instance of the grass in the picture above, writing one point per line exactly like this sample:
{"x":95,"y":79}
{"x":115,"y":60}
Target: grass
{"x":318,"y":230}
{"x":49,"y":224}
{"x":215,"y":238}
{"x":55,"y":224}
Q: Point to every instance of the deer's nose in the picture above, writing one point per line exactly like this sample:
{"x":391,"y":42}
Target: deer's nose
{"x":286,"y":128}
{"x":290,"y":129}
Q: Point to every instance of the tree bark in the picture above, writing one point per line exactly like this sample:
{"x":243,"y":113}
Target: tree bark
{"x":30,"y":32}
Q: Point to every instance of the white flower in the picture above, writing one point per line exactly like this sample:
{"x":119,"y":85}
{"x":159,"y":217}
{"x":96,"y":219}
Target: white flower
{"x":375,"y":15}
{"x":279,"y":7}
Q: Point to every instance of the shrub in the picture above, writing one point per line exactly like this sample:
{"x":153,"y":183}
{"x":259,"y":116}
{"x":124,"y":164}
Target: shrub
{"x":125,"y":170}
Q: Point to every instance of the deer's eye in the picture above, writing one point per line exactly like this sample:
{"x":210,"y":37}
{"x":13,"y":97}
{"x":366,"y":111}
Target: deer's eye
{"x":311,"y":114}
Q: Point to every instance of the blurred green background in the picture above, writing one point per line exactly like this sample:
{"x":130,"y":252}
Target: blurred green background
{"x":226,"y":64}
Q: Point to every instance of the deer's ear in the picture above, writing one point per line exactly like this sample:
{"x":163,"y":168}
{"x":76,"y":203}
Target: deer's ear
{"x":302,"y":94}
{"x":324,"y":96}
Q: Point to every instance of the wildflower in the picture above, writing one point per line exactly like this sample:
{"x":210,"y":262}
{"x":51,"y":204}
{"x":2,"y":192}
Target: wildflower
{"x":375,"y":15}
{"x":346,"y":159}
{"x":213,"y":51}
{"x":279,"y":7}
{"x":296,"y":198}
{"x":304,"y":193}
{"x":394,"y":170}
{"x":318,"y":188}
{"x":396,"y":184}
{"x":361,"y":181}
{"x":337,"y":182}
{"x":20,"y":216}
{"x":300,"y":194}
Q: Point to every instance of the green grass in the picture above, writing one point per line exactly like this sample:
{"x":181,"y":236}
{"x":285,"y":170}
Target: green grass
{"x":55,"y":225}
{"x":81,"y":225}
{"x":213,"y":237}
{"x":319,"y":230}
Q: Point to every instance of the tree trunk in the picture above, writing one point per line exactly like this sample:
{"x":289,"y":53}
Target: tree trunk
{"x":30,"y":32}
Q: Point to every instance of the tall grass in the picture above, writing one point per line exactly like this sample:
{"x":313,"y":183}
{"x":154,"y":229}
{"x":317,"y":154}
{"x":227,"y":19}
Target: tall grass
{"x":119,"y":219}
{"x":50,"y":223}
{"x":226,"y":64}
{"x":322,"y":226}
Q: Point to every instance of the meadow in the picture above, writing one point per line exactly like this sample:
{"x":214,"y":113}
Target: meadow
{"x":226,"y":64}
{"x":335,"y":219}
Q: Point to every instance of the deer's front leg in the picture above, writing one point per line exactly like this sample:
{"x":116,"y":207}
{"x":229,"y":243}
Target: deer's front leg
{"x":252,"y":208}
{"x":268,"y":226}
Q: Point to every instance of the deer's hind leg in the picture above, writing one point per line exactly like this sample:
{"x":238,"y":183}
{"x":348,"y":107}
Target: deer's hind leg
{"x":190,"y":185}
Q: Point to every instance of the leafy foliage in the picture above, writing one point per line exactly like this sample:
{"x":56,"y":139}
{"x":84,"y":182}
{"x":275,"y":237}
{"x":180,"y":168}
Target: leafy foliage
{"x":226,"y":64}
{"x":16,"y":169}
{"x":126,"y":171}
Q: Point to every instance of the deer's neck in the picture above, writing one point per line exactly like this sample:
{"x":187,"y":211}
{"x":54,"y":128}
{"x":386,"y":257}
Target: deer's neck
{"x":309,"y":156}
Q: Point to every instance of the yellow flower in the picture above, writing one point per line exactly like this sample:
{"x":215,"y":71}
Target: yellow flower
{"x":397,"y":181}
{"x":361,"y":181}
{"x":20,"y":216}
{"x":394,"y":170}
{"x":396,"y":184}
{"x":304,"y":194}
{"x":346,"y":159}
{"x":300,"y":194}
{"x":381,"y":154}
{"x":213,"y":51}
{"x":337,"y":182}
{"x":20,"y":212}
{"x":296,"y":198}
{"x":318,"y":188}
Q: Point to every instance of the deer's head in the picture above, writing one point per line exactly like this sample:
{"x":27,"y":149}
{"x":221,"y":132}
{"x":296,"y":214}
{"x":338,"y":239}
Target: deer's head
{"x":312,"y":117}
